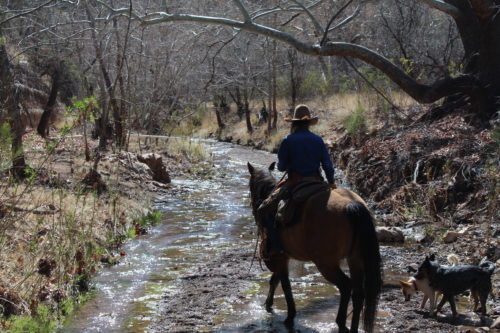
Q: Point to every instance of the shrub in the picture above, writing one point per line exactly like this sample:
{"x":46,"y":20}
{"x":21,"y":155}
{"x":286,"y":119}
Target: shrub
{"x":355,"y":123}
{"x":495,"y":135}
{"x":5,"y":149}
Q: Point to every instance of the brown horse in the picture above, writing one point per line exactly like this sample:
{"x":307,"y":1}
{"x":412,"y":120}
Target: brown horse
{"x":331,"y":226}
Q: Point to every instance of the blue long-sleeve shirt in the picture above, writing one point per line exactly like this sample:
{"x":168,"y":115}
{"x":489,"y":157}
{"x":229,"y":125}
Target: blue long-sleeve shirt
{"x":304,"y":152}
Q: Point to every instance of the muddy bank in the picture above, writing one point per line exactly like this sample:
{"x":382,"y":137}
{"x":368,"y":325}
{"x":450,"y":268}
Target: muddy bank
{"x":203,"y":298}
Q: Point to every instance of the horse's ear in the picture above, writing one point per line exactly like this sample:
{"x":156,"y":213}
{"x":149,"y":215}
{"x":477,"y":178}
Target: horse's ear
{"x":251,"y":169}
{"x":271,"y":167}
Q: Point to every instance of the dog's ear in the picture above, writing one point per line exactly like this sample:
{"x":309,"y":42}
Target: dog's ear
{"x":432,"y":257}
{"x":271,"y":166}
{"x":412,"y":268}
{"x":251,"y":169}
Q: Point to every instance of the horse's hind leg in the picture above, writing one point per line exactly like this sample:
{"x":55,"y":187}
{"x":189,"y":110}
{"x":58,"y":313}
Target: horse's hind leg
{"x":343,"y":283}
{"x":273,"y":284}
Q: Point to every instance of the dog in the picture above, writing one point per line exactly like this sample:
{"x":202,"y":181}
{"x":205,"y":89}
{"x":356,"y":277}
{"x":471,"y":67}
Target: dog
{"x":453,"y":280}
{"x":413,"y":285}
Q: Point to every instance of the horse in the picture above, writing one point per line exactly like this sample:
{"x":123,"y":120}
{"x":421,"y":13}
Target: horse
{"x":331,"y":226}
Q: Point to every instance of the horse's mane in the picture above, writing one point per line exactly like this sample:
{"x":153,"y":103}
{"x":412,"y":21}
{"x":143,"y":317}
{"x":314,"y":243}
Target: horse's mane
{"x":262,"y":184}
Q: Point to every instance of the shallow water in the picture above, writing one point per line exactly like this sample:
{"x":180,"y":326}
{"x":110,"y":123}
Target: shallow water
{"x":210,"y":216}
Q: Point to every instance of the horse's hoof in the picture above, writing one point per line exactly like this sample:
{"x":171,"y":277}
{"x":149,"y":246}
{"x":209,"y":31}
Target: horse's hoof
{"x":269,"y":308}
{"x":343,"y":330}
{"x":289,"y":322}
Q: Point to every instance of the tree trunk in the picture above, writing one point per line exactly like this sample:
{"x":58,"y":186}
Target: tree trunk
{"x":479,"y":29}
{"x":247,"y":112}
{"x":292,"y":57}
{"x":274,"y":110}
{"x":220,"y":123}
{"x":218,"y":105}
{"x":9,"y":101}
{"x":119,"y":109}
{"x":109,"y":87}
{"x":43,"y":125}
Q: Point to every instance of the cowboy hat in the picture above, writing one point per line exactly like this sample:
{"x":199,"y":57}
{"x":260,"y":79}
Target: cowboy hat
{"x":302,"y":114}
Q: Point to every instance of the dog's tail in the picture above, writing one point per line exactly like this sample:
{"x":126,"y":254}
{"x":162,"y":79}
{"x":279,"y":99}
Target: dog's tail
{"x":453,"y":259}
{"x":487,"y":266}
{"x":364,"y":231}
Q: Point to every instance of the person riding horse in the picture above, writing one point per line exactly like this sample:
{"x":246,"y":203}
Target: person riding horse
{"x":300,"y":154}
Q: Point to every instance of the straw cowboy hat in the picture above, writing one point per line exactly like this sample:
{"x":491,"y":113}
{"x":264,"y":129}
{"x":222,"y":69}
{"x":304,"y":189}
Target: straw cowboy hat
{"x":302,"y":114}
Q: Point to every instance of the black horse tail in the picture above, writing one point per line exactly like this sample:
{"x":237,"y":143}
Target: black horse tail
{"x":364,"y":231}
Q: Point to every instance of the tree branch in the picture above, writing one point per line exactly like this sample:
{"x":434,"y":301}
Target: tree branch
{"x":243,"y":10}
{"x":444,"y":7}
{"x":420,"y":92}
{"x":327,"y":29}
{"x":347,"y":19}
{"x":315,"y":22}
{"x":261,"y":13}
{"x":26,"y":12}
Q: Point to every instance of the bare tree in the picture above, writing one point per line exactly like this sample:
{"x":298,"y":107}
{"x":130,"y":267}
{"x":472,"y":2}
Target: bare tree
{"x":477,"y":21}
{"x":9,"y":101}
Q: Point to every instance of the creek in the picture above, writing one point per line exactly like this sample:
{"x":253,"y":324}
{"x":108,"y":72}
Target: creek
{"x":205,"y":218}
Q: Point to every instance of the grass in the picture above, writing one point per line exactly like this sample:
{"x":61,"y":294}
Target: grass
{"x":332,"y":110}
{"x":54,"y":235}
{"x":355,"y":123}
{"x":188,"y":148}
{"x":42,"y":321}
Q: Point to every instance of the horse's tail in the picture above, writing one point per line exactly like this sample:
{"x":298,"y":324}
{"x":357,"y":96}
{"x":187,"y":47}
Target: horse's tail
{"x":364,"y":231}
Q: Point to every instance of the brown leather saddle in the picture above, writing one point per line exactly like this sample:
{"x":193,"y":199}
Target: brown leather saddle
{"x":295,"y":197}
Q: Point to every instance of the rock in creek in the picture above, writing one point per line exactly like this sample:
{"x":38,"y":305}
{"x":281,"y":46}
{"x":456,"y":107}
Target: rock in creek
{"x":390,"y":235}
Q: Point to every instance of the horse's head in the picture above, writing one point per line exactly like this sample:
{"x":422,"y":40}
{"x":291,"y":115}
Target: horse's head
{"x":262,"y":184}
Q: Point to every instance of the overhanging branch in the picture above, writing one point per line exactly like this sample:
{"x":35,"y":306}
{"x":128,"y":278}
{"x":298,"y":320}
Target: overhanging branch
{"x":444,"y":7}
{"x":420,"y":92}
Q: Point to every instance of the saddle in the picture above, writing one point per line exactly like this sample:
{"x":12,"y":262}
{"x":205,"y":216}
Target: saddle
{"x":295,"y":197}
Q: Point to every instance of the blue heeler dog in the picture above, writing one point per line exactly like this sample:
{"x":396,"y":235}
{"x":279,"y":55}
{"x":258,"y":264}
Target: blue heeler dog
{"x":453,"y":280}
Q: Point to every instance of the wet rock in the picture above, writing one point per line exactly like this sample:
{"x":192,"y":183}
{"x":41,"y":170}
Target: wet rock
{"x":158,"y":168}
{"x":160,"y":185}
{"x":390,"y":235}
{"x":450,"y":237}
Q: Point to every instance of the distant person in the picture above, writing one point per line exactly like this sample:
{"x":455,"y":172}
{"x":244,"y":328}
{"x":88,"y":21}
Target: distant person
{"x":263,"y":114}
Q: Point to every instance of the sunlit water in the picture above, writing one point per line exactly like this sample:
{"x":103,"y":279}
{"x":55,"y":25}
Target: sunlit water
{"x":210,"y":216}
